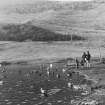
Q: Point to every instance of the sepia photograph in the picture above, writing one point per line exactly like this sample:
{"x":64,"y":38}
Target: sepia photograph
{"x":52,"y":52}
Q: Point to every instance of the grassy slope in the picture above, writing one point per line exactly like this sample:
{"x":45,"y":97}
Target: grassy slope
{"x":29,"y":32}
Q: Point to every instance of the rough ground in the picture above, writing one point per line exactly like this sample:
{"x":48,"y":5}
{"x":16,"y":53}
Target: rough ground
{"x":22,"y":83}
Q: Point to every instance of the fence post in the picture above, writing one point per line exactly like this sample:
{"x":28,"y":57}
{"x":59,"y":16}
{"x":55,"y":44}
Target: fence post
{"x":100,"y":56}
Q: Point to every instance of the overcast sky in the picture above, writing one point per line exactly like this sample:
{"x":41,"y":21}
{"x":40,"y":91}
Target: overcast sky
{"x":6,"y":2}
{"x":70,"y":0}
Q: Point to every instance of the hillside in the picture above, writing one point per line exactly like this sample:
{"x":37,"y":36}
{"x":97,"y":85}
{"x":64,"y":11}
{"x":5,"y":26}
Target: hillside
{"x":84,"y":19}
{"x":25,"y":32}
{"x":79,"y":18}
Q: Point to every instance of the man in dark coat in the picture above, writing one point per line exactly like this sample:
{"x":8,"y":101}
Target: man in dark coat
{"x":83,"y":61}
{"x":84,"y":56}
{"x":88,"y":58}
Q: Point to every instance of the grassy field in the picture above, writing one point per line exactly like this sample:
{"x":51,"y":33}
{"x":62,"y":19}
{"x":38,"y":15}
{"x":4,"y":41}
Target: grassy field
{"x":34,"y":51}
{"x":26,"y":73}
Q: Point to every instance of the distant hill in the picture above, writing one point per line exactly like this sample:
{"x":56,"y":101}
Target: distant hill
{"x":26,"y":32}
{"x":86,"y":18}
{"x":80,"y":18}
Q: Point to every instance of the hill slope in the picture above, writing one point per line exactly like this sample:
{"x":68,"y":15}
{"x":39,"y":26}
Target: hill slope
{"x":29,"y":32}
{"x":84,"y":18}
{"x":80,"y":18}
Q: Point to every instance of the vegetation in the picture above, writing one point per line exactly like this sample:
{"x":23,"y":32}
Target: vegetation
{"x":29,"y":32}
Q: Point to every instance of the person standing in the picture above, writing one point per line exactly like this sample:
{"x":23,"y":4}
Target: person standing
{"x":84,"y":56}
{"x":77,"y":63}
{"x":83,"y":61}
{"x":88,"y":58}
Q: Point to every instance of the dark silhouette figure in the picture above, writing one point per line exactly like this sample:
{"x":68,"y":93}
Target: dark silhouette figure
{"x":83,"y":61}
{"x":88,"y":56}
{"x":84,"y":57}
{"x":77,"y":63}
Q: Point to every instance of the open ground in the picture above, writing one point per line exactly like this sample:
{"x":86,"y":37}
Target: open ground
{"x":27,"y":62}
{"x":26,"y":73}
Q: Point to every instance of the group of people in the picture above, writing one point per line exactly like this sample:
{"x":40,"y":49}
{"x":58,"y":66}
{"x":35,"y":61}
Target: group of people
{"x":86,"y":57}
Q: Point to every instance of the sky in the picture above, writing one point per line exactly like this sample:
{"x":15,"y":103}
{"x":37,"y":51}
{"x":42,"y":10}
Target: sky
{"x":70,"y":0}
{"x":6,"y":2}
